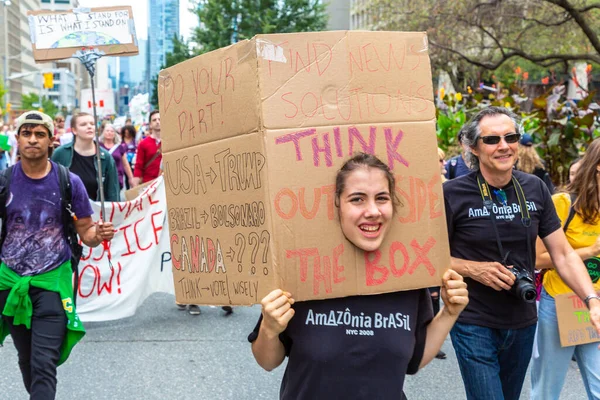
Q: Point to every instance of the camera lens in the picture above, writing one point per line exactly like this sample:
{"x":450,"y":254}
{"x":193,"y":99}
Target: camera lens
{"x":526,"y":291}
{"x":529,"y":296}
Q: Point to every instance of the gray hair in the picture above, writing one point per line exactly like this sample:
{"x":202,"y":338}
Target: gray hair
{"x":471,"y":131}
{"x":116,"y":140}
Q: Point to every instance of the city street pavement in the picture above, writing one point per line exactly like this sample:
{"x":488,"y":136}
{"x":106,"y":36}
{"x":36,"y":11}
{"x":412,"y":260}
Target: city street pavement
{"x":163,"y":353}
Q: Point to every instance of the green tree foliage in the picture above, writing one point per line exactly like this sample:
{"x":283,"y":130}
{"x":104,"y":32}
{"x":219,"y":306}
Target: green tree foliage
{"x":28,"y":101}
{"x":475,"y":35}
{"x":223,"y":22}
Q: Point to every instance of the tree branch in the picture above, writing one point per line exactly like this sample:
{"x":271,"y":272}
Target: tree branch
{"x":548,"y":24}
{"x":588,"y":8}
{"x":580,"y":20}
{"x":519,"y":53}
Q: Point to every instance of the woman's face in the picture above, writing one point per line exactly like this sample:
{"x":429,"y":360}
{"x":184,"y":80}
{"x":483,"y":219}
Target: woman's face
{"x":366,"y":208}
{"x":573,"y":171}
{"x":84,"y":127}
{"x":109,"y":133}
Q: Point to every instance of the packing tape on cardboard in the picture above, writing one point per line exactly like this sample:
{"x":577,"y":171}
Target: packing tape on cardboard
{"x":82,"y":10}
{"x":269,"y":51}
{"x":31,"y":20}
{"x":425,"y":45}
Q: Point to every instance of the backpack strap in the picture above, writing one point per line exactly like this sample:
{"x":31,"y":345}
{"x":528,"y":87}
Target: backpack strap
{"x":452,"y":167}
{"x":5,"y":178}
{"x":68,"y":220}
{"x":572,"y":212}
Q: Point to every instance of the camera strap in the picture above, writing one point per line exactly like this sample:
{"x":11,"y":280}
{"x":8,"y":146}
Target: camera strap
{"x":488,"y":203}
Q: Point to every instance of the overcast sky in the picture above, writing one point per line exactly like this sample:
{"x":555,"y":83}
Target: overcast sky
{"x":187,"y":20}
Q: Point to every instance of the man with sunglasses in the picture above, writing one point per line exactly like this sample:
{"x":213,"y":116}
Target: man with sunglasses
{"x":494,"y":216}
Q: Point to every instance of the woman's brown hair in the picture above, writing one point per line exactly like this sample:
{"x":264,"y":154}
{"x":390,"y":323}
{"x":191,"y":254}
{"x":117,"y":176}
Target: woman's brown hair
{"x":529,"y":159}
{"x":364,"y":160}
{"x":585,"y":186}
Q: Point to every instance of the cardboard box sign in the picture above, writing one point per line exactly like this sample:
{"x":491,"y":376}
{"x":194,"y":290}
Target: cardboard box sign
{"x":574,"y":324}
{"x":56,"y":35}
{"x":254,"y":136}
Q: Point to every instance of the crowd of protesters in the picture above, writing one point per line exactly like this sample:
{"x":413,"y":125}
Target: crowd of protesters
{"x":128,"y":157}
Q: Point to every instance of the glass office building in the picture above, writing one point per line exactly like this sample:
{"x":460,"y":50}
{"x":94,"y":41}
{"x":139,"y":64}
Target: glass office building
{"x":163,"y":25}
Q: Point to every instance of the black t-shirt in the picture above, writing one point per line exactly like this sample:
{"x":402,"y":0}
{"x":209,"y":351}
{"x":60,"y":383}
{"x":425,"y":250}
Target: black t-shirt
{"x":472,"y":237}
{"x":84,"y":167}
{"x":358,"y":347}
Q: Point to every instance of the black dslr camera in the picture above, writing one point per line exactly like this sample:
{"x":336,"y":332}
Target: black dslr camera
{"x":524,"y":286}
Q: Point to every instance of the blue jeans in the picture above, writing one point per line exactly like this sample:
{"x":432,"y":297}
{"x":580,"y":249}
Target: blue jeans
{"x":549,"y":370}
{"x":492,"y":362}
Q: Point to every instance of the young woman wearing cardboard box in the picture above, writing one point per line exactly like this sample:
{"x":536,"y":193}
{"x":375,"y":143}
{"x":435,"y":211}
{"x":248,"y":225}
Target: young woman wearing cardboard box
{"x":358,"y":346}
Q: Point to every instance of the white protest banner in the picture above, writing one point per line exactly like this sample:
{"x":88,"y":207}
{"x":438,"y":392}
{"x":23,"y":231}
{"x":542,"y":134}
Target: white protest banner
{"x":140,"y":255}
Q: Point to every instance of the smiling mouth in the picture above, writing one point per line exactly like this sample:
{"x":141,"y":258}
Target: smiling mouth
{"x":370,"y":230}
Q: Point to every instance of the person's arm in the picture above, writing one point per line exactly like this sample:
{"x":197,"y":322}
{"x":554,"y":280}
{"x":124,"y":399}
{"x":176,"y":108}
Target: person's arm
{"x":456,"y":298}
{"x":111,"y":180}
{"x":277,"y":312}
{"x":127,"y":169}
{"x":543,"y":260}
{"x":92,"y":234}
{"x":140,"y":161}
{"x":489,"y":273}
{"x":569,"y":266}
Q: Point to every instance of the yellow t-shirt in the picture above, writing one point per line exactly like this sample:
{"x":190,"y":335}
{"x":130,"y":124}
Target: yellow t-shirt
{"x":579,"y":234}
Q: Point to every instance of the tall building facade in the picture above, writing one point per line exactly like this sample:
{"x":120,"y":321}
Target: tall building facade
{"x":10,"y":29}
{"x":163,"y":25}
{"x":127,"y":77}
{"x":359,"y":16}
{"x":339,"y":15}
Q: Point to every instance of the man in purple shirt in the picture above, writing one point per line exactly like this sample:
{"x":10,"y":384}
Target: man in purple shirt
{"x":36,"y":293}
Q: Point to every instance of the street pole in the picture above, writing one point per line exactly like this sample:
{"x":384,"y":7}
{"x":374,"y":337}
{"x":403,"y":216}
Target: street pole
{"x":41,"y":88}
{"x":5,"y":5}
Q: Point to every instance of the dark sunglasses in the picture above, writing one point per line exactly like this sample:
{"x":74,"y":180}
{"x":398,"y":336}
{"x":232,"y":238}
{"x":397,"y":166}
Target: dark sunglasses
{"x":495,"y":139}
{"x":59,"y":120}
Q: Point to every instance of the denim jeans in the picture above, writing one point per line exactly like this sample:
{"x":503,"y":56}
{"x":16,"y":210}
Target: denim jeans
{"x":38,"y":348}
{"x":549,"y":369}
{"x":492,"y":362}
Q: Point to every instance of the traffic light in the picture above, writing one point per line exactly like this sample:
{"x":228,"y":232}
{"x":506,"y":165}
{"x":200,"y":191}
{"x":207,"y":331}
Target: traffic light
{"x":48,"y":80}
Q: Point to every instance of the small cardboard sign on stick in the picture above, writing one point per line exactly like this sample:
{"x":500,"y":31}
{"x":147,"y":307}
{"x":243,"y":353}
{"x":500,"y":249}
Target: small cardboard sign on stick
{"x":574,"y":324}
{"x":56,"y":35}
